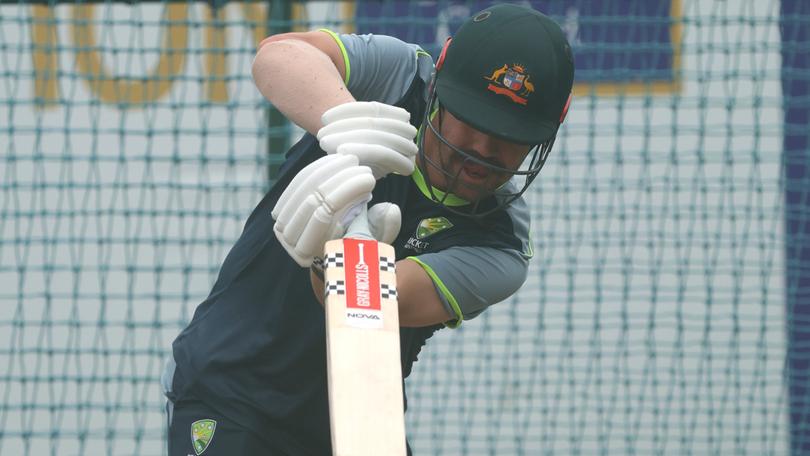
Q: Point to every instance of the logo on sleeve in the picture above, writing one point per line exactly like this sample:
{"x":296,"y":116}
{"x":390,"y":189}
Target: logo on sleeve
{"x":202,"y":432}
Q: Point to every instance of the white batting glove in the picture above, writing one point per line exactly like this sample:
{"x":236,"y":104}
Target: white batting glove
{"x":384,"y":221}
{"x":377,"y":133}
{"x":319,"y":204}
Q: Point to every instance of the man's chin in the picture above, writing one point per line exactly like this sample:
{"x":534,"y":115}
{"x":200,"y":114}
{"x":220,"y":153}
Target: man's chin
{"x":470,"y":192}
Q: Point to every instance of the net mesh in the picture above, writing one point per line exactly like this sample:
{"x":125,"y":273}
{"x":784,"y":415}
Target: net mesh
{"x":653,"y":319}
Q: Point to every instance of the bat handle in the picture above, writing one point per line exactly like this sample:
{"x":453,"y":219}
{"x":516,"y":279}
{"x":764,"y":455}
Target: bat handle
{"x":359,"y":228}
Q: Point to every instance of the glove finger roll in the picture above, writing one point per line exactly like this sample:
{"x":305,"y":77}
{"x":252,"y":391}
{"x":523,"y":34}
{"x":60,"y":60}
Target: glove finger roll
{"x":299,"y":188}
{"x":346,"y":187}
{"x":315,"y":234}
{"x":364,"y":109}
{"x":295,"y":183}
{"x":396,"y":127}
{"x":380,"y":159}
{"x":295,"y":225}
{"x":333,"y":199}
{"x":402,"y":145}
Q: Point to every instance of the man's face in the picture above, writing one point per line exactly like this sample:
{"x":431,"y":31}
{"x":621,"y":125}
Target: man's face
{"x":462,"y":176}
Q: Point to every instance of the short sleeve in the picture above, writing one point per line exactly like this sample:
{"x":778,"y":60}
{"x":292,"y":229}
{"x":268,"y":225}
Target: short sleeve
{"x":470,"y":279}
{"x":378,"y":67}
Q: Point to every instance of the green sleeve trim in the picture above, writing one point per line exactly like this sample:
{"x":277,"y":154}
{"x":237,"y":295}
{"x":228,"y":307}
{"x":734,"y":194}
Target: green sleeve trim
{"x":447,"y":295}
{"x":342,"y":51}
{"x":421,"y":52}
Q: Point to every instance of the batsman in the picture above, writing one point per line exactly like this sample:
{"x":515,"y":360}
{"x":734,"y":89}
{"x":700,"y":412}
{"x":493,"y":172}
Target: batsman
{"x":440,"y":154}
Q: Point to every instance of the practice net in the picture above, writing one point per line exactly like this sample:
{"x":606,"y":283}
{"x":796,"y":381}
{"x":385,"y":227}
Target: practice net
{"x":656,"y":318}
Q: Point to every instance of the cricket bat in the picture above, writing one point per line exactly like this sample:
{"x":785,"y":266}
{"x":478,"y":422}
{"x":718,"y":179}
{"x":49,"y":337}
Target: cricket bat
{"x":362,"y":334}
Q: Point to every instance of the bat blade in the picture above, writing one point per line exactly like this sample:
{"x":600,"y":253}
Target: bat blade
{"x":363,"y":356}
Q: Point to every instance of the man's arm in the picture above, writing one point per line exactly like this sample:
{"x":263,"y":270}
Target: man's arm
{"x":455,"y":284}
{"x":419,"y":304}
{"x":302,"y":75}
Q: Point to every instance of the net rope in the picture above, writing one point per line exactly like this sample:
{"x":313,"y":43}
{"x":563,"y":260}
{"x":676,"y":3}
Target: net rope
{"x":653,"y":319}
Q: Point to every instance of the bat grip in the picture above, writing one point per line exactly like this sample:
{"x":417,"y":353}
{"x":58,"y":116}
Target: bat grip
{"x":359,"y":228}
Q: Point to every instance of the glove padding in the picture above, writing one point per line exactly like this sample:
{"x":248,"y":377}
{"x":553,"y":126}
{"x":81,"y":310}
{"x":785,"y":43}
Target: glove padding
{"x":378,"y":134}
{"x":320,"y":203}
{"x":384,"y":220}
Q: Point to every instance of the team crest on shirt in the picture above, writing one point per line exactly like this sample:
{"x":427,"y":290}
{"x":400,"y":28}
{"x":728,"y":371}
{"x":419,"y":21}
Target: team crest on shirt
{"x":426,"y":228}
{"x":512,"y":81}
{"x":202,"y":433}
{"x":431,"y":226}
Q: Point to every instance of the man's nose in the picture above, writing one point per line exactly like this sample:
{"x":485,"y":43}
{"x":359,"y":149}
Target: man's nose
{"x":485,"y":148}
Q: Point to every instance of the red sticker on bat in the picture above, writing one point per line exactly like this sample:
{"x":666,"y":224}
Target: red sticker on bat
{"x":362,"y":266}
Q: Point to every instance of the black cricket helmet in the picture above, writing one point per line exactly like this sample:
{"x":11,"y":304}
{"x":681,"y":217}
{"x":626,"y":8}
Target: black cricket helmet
{"x":507,"y":72}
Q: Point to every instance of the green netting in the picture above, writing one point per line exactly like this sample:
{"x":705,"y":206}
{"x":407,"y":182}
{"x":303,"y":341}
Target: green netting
{"x":134,"y":145}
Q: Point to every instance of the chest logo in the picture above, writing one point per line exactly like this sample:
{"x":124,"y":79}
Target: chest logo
{"x":431,"y":226}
